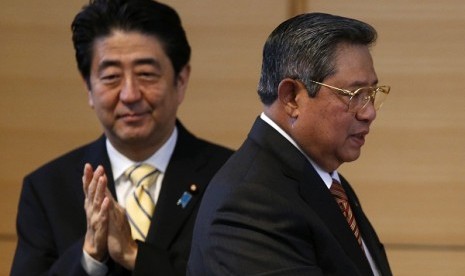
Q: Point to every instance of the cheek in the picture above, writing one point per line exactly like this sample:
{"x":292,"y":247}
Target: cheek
{"x":106,"y":98}
{"x":333,"y":129}
{"x":342,"y":130}
{"x":326,"y":124}
{"x":155,"y":94}
{"x":168,"y":99}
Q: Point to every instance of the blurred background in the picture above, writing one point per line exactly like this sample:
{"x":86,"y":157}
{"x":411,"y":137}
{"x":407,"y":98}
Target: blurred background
{"x":408,"y":177}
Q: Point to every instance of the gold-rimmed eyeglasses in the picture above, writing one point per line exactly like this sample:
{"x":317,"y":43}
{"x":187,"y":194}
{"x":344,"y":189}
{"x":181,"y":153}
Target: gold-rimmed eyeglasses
{"x":359,"y":98}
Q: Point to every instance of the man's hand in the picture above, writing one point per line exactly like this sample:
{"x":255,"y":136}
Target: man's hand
{"x":121,"y":245}
{"x":96,"y":205}
{"x":108,"y":230}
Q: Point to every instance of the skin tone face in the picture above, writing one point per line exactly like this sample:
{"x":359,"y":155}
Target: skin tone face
{"x":322,"y":126}
{"x":134,"y":92}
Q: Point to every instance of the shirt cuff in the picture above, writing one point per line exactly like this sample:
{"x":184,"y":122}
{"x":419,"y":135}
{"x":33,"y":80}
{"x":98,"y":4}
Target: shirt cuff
{"x":92,"y":266}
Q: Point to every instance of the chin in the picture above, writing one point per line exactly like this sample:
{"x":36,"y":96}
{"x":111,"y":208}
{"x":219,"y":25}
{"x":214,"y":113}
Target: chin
{"x":132,"y":136}
{"x":351,"y":156}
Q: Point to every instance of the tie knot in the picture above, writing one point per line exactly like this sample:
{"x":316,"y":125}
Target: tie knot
{"x":141,"y":174}
{"x":337,"y":190}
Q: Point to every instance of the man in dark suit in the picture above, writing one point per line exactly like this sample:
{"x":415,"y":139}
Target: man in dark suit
{"x":134,"y":59}
{"x":277,"y":206}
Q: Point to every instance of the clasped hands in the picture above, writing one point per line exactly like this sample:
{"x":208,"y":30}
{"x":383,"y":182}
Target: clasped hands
{"x":108,"y":231}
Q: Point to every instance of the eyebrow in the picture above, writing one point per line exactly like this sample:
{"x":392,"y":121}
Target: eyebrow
{"x":143,"y":61}
{"x":359,"y":84}
{"x":148,"y":61}
{"x":108,"y":63}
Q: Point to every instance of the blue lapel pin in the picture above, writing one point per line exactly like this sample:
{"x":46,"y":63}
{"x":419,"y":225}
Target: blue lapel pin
{"x":187,"y":196}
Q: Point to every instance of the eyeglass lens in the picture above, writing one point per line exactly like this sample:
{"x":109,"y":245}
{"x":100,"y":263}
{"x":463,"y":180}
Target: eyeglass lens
{"x":364,"y":96}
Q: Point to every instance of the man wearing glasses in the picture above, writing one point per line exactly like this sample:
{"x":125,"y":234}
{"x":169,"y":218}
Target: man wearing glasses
{"x":279,"y":206}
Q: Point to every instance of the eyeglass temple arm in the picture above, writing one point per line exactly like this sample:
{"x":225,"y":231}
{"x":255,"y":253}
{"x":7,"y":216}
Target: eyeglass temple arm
{"x":346,"y":92}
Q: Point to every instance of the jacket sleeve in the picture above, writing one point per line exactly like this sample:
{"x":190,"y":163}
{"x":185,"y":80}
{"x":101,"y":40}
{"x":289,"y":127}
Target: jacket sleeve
{"x":36,"y":252}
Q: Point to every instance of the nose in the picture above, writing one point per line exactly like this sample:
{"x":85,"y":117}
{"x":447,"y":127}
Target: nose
{"x":367,"y":113}
{"x":129,"y":90}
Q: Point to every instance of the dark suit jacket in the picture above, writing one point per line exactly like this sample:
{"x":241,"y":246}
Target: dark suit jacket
{"x":267,"y":212}
{"x":51,"y":221}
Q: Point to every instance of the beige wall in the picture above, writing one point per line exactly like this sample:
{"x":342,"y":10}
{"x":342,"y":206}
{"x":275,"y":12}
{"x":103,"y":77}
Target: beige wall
{"x":408,"y":178}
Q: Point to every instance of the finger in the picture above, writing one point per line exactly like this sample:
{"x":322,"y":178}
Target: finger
{"x":108,"y":193}
{"x":105,"y":207}
{"x":100,"y":191}
{"x":91,"y":190}
{"x":101,"y":218}
{"x":87,"y":177}
{"x":100,"y":171}
{"x":94,"y":182}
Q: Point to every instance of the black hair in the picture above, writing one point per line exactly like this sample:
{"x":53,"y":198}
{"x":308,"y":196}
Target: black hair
{"x":101,"y":17}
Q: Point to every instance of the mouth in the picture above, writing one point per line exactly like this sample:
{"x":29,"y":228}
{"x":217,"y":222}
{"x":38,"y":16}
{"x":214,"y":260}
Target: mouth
{"x":132,"y":116}
{"x":359,"y":138}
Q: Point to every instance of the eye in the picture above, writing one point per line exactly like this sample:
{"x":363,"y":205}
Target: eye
{"x":362,"y":94}
{"x":148,"y":75}
{"x":109,"y":74}
{"x":109,"y":78}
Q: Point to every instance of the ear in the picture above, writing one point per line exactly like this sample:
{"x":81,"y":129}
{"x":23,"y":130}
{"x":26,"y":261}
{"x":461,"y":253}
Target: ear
{"x":90,"y":100}
{"x":287,"y":94}
{"x":181,"y":82}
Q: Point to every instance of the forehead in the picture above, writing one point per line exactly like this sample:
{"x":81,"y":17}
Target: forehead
{"x":126,"y":46}
{"x":354,"y":65}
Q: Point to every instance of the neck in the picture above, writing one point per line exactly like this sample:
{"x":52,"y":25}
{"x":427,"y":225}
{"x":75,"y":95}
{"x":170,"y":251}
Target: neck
{"x":138,"y":150}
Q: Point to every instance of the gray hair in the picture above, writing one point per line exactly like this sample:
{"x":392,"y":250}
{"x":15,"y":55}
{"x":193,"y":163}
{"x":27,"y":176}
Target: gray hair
{"x":304,"y":47}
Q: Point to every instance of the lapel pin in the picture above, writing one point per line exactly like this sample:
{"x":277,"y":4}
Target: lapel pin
{"x":193,"y":188}
{"x":187,"y":196}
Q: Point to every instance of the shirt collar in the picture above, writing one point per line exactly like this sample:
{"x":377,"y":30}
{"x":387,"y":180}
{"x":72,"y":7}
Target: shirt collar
{"x":160,"y":159}
{"x":325,"y":176}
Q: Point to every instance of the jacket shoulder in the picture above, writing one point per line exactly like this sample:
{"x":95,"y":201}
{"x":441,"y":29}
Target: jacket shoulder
{"x":74,"y":158}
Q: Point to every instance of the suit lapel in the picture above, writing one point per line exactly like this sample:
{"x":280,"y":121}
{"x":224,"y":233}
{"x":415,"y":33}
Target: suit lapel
{"x":368,"y":233}
{"x":322,"y":202}
{"x":181,"y":174}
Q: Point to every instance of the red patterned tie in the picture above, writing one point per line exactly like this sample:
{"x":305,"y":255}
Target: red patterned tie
{"x":341,"y":199}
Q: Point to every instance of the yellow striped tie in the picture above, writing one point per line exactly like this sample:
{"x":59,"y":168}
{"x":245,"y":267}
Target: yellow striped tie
{"x":140,"y":205}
